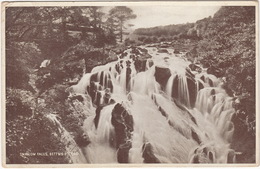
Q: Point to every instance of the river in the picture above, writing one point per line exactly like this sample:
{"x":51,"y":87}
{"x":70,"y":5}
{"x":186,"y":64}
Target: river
{"x":178,"y":115}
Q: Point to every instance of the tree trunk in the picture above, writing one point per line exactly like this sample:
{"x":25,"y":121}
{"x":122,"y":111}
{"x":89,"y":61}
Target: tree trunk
{"x":121,"y":31}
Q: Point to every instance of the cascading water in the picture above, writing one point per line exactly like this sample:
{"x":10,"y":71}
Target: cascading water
{"x":151,"y":108}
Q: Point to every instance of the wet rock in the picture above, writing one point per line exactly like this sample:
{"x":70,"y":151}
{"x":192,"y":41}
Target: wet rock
{"x":188,"y":73}
{"x":200,"y":85}
{"x":143,"y":50}
{"x":202,"y":78}
{"x":94,"y":77}
{"x":123,"y":124}
{"x":162,"y":51}
{"x":140,"y":65}
{"x":211,"y":83}
{"x":195,"y":67}
{"x":196,"y":159}
{"x":211,"y":157}
{"x":133,"y":57}
{"x":135,"y":51}
{"x":148,"y":154}
{"x":92,"y":89}
{"x":175,"y":86}
{"x":162,"y":111}
{"x":128,"y":78}
{"x":176,"y":51}
{"x":150,"y":63}
{"x":123,"y":152}
{"x":162,"y":75}
{"x":195,"y":136}
{"x":82,"y":140}
{"x":192,"y":88}
{"x":124,"y":54}
{"x":96,"y":119}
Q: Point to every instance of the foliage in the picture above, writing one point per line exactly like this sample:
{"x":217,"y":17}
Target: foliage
{"x":180,"y":30}
{"x":19,"y":54}
{"x":32,"y":135}
{"x":118,"y":16}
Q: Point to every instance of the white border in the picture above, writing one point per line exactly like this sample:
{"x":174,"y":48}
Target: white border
{"x":129,"y":3}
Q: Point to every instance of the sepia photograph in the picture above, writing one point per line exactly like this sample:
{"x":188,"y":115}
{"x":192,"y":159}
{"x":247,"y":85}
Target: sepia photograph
{"x":113,"y":83}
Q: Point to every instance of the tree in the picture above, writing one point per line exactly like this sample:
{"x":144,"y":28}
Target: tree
{"x":119,"y":15}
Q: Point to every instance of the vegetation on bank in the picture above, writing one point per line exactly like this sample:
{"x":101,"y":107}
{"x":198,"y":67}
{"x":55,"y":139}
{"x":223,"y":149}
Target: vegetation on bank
{"x":71,"y":38}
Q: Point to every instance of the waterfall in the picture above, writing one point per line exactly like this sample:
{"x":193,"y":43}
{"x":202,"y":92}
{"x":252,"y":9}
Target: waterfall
{"x":167,"y":114}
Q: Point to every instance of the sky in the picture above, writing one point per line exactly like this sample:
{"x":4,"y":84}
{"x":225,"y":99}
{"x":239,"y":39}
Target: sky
{"x":167,"y":15}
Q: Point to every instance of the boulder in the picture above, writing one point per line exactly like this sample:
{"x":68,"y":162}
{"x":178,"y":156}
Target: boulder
{"x":82,"y":140}
{"x":124,"y":54}
{"x":176,"y":51}
{"x":195,"y":67}
{"x":140,"y":65}
{"x":162,"y":51}
{"x":124,"y":126}
{"x":162,"y":75}
{"x":192,"y":87}
{"x":123,"y":152}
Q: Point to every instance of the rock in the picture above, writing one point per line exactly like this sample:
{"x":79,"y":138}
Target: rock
{"x":143,"y":50}
{"x":192,"y":55}
{"x":91,"y":89}
{"x":175,"y":86}
{"x":162,"y":51}
{"x":140,"y":65}
{"x":124,"y":54}
{"x":124,"y":125}
{"x":57,"y":93}
{"x":195,"y":136}
{"x":162,"y":75}
{"x":163,"y":112}
{"x":165,"y":46}
{"x":215,"y":71}
{"x":135,"y":51}
{"x":189,"y":74}
{"x":195,"y":159}
{"x":202,"y":78}
{"x":123,"y":152}
{"x":176,"y":51}
{"x":77,"y":97}
{"x":200,"y":85}
{"x":82,"y":140}
{"x":195,"y":67}
{"x":192,"y":87}
{"x":148,"y":154}
{"x":96,"y":119}
{"x":128,"y":78}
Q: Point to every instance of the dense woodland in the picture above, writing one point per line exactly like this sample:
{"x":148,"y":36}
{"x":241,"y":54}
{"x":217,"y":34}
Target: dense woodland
{"x":76,"y":39}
